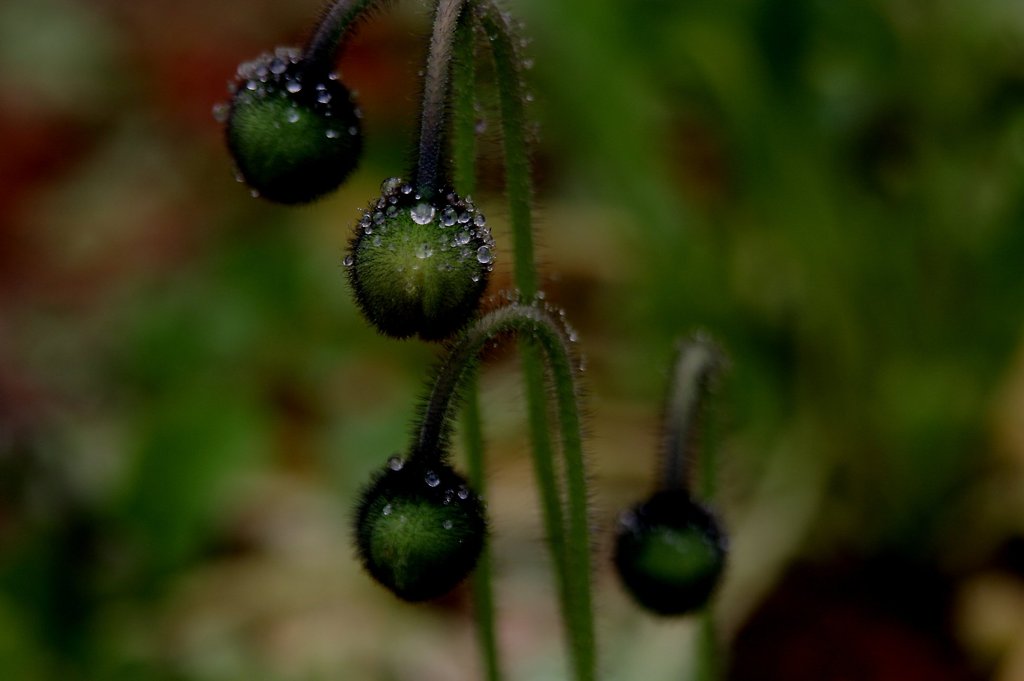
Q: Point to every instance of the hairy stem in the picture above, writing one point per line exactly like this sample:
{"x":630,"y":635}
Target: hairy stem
{"x":696,"y":363}
{"x":430,"y":170}
{"x":464,"y":170}
{"x":333,"y":31}
{"x":512,"y":98}
{"x":536,"y":326}
{"x":571,"y":559}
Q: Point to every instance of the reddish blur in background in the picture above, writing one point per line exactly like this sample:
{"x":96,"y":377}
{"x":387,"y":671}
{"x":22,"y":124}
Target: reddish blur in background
{"x":189,"y":401}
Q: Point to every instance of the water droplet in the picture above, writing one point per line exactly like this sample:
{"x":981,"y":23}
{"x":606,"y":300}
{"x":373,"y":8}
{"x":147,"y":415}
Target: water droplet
{"x":254,"y":193}
{"x":483,"y":255}
{"x":323,"y":97}
{"x":463,"y":238}
{"x":277,"y":66}
{"x":353,"y":130}
{"x":376,"y":240}
{"x":331,"y":134}
{"x":527,"y":64}
{"x":447,"y":525}
{"x":292,"y":116}
{"x":424,"y":251}
{"x":220,"y":112}
{"x":293,"y":86}
{"x":449,"y":495}
{"x":389,"y":185}
{"x":431,"y":479}
{"x":348,"y":261}
{"x":463,"y":218}
{"x":251,"y":85}
{"x":479,"y":220}
{"x":386,"y":510}
{"x":396,"y":463}
{"x":448,"y":217}
{"x":422,"y":213}
{"x":475,"y":278}
{"x":406,"y":189}
{"x":463,"y":492}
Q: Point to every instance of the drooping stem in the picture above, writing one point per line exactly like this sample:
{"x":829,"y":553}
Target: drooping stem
{"x":430,"y":170}
{"x":573,"y":585}
{"x":483,"y":591}
{"x":696,"y":363}
{"x":463,"y":105}
{"x":333,"y":31}
{"x":533,"y":324}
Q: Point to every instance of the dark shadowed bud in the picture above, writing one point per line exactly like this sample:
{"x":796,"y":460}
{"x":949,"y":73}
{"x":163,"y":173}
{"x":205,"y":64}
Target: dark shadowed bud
{"x":670,"y":553}
{"x":294,"y":131}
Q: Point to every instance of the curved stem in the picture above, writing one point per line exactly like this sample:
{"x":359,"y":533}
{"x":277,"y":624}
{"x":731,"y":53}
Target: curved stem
{"x":572,"y":582}
{"x":430,"y":170}
{"x":697,"y":361}
{"x":541,"y":331}
{"x":333,"y":31}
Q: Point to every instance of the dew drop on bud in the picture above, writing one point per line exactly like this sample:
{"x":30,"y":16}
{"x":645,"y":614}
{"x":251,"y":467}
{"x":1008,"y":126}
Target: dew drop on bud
{"x":447,"y":524}
{"x":431,"y":479}
{"x":483,"y":255}
{"x":424,"y":251}
{"x":422,"y":213}
{"x":347,"y":262}
{"x":395,"y":463}
{"x":386,"y":510}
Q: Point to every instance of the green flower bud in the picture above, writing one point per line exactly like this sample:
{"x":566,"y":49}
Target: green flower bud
{"x":293,"y":131}
{"x":670,"y":553}
{"x":419,"y":529}
{"x":419,"y":265}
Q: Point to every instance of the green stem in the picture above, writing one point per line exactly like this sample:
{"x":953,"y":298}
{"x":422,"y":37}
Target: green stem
{"x":336,"y":26}
{"x":430,"y":442}
{"x":696,"y":363}
{"x":708,"y":664}
{"x":463,"y":105}
{"x":512,"y":98}
{"x":483,"y":592}
{"x":571,"y":558}
{"x":431,"y":172}
{"x":464,"y":170}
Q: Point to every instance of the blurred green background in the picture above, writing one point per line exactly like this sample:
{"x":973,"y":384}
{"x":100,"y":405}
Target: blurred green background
{"x":189,"y":401}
